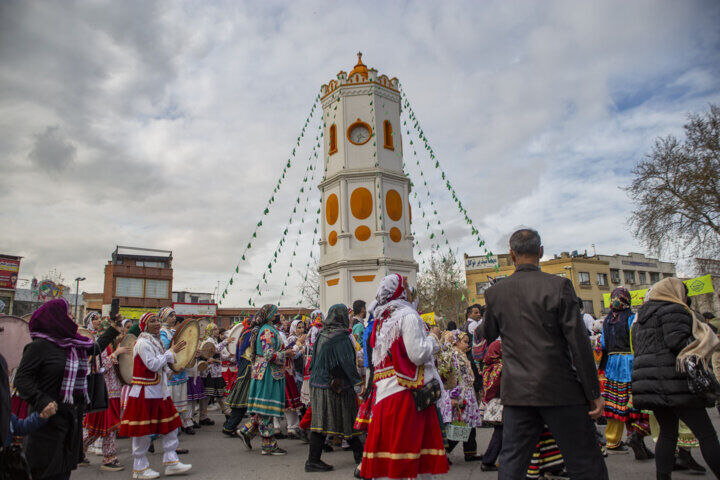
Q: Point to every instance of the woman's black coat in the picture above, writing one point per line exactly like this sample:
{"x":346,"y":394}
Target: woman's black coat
{"x":661,"y":331}
{"x":55,"y":448}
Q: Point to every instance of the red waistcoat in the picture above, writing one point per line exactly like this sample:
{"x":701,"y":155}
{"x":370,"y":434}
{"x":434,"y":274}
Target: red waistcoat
{"x":142,"y":375}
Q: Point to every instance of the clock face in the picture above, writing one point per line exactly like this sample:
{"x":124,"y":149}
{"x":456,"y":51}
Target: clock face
{"x":359,"y":133}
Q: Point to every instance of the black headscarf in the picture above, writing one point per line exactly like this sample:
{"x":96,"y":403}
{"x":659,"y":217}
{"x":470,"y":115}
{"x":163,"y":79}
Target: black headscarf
{"x":4,"y":402}
{"x":337,"y":322}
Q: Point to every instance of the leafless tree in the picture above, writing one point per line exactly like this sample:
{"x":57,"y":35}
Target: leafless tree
{"x":310,"y":285}
{"x":676,"y":190}
{"x":441,"y":288}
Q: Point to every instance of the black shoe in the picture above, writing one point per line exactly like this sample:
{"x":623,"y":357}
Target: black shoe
{"x":206,"y":421}
{"x":196,"y":425}
{"x":622,"y":448}
{"x":357,"y":473}
{"x":685,"y":458}
{"x":230,"y":433}
{"x":327,"y":447}
{"x":246,"y":439}
{"x":636,"y":443}
{"x":488,"y":467}
{"x":650,"y":454}
{"x":663,"y":476}
{"x":152,"y":448}
{"x":318,"y":466}
{"x":182,"y":451}
{"x":188,"y":431}
{"x":473,"y":458}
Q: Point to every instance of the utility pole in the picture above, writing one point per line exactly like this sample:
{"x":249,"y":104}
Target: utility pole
{"x":77,"y":294}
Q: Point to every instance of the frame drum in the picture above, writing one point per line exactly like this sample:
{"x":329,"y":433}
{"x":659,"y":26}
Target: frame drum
{"x":189,"y":331}
{"x":124,"y":366}
{"x":13,"y":338}
{"x":234,"y":332}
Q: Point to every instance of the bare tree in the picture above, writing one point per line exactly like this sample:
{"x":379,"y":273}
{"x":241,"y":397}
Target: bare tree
{"x":441,"y":288}
{"x":676,"y":190}
{"x":310,"y":285}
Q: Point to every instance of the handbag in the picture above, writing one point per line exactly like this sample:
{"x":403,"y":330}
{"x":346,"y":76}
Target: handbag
{"x":96,"y":389}
{"x":493,"y":412}
{"x":13,"y":465}
{"x":426,"y":395}
{"x":701,"y":382}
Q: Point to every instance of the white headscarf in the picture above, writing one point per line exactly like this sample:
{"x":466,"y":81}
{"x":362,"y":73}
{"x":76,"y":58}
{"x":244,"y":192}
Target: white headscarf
{"x":391,"y":298}
{"x":88,"y":320}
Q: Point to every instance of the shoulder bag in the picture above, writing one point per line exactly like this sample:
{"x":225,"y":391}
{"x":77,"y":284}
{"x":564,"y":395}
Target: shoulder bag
{"x":97,"y":390}
{"x":701,"y":382}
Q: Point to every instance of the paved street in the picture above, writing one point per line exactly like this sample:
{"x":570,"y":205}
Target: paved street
{"x":216,"y":456}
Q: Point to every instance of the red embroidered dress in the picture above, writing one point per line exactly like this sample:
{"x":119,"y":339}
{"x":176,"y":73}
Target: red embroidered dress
{"x":150,"y":409}
{"x":402,"y":442}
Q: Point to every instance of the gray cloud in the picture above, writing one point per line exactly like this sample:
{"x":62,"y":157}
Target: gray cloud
{"x":181,"y":116}
{"x":52,"y":152}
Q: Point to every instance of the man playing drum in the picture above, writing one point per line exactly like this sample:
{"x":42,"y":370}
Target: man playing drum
{"x":150,"y":410}
{"x":178,"y":382}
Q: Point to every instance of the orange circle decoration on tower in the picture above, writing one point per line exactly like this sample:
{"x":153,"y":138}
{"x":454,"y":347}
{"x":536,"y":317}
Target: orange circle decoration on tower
{"x":332,"y":238}
{"x":359,"y":133}
{"x":395,"y":234}
{"x":361,"y":203}
{"x":331,"y":209}
{"x":362,"y":233}
{"x":393,"y":205}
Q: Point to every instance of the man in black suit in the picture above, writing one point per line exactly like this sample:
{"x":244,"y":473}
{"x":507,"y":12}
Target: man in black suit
{"x":549,"y":375}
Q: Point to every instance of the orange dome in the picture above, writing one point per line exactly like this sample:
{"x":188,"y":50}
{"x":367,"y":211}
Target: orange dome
{"x":359,"y":68}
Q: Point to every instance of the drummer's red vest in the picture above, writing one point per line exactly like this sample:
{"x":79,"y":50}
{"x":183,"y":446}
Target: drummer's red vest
{"x":142,"y":375}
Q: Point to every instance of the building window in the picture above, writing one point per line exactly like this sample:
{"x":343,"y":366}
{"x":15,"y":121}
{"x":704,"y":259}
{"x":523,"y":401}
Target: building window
{"x":118,"y":262}
{"x":588,"y":307}
{"x":667,"y":275}
{"x":387,"y":129}
{"x":128,"y":287}
{"x":654,"y":277}
{"x":150,"y":264}
{"x":642,"y":278}
{"x":194,"y":299}
{"x":584,"y":278}
{"x":333,"y":139}
{"x":629,"y":276}
{"x":480,"y":287}
{"x":602,"y":279}
{"x":156,"y":288}
{"x":615,"y":276}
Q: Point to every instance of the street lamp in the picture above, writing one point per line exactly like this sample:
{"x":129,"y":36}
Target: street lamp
{"x":77,"y":292}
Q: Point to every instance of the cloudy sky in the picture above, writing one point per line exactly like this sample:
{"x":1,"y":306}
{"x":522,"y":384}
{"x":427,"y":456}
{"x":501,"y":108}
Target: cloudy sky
{"x":166,"y":125}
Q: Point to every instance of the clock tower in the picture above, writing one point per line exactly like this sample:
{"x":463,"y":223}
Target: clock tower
{"x":365,"y":209}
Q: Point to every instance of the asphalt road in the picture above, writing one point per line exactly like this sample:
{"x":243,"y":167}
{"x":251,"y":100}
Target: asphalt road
{"x":215,"y":456}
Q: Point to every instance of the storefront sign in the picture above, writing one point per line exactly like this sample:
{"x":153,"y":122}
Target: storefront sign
{"x":195,"y":309}
{"x":134,"y":313}
{"x":9,"y":272}
{"x":696,"y":286}
{"x":481,"y":262}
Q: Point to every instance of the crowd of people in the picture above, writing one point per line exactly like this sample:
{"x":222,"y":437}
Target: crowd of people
{"x":375,"y":379}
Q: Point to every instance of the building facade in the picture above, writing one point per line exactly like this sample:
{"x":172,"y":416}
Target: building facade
{"x":365,"y":227}
{"x":141,"y":278}
{"x":592,"y":276}
{"x":9,"y":270}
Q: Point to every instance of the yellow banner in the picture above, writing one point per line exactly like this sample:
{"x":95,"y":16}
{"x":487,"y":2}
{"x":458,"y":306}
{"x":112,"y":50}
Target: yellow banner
{"x":135,"y":313}
{"x":696,"y":286}
{"x":429,"y":318}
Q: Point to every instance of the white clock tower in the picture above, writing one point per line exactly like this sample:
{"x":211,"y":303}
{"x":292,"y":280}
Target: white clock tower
{"x":365,"y":208}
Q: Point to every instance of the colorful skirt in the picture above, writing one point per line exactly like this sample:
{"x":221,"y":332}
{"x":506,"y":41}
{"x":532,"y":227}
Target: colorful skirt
{"x":230,"y":376}
{"x":149,"y":416}
{"x":292,"y":395}
{"x":101,"y":424}
{"x":196,"y":389}
{"x":214,"y":386}
{"x":402,"y":442}
{"x":238,"y":396}
{"x":618,"y":404}
{"x":546,"y":457}
{"x":267,"y":396}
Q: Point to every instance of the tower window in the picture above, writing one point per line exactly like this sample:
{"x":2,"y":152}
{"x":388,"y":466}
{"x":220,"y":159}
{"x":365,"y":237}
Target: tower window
{"x":387,"y":130}
{"x":333,"y":139}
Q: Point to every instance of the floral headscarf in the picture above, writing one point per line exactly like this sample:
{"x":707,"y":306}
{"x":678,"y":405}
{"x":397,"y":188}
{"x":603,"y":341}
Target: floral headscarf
{"x":144,"y":320}
{"x":165,"y":313}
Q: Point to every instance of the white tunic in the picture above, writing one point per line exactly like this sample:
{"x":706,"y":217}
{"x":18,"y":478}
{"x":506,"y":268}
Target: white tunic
{"x":155,"y":358}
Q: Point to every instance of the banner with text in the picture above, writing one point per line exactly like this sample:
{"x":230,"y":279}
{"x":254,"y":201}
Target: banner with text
{"x":696,"y":286}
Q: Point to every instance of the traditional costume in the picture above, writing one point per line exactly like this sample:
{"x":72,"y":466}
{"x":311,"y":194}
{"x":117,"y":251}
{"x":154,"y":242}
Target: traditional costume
{"x":617,"y":391}
{"x":266,"y":399}
{"x":212,"y":377}
{"x":402,"y":442}
{"x":177,"y":382}
{"x":105,"y":424}
{"x":467,"y":410}
{"x":332,"y":395}
{"x":316,"y":324}
{"x":150,"y":410}
{"x":237,"y":400}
